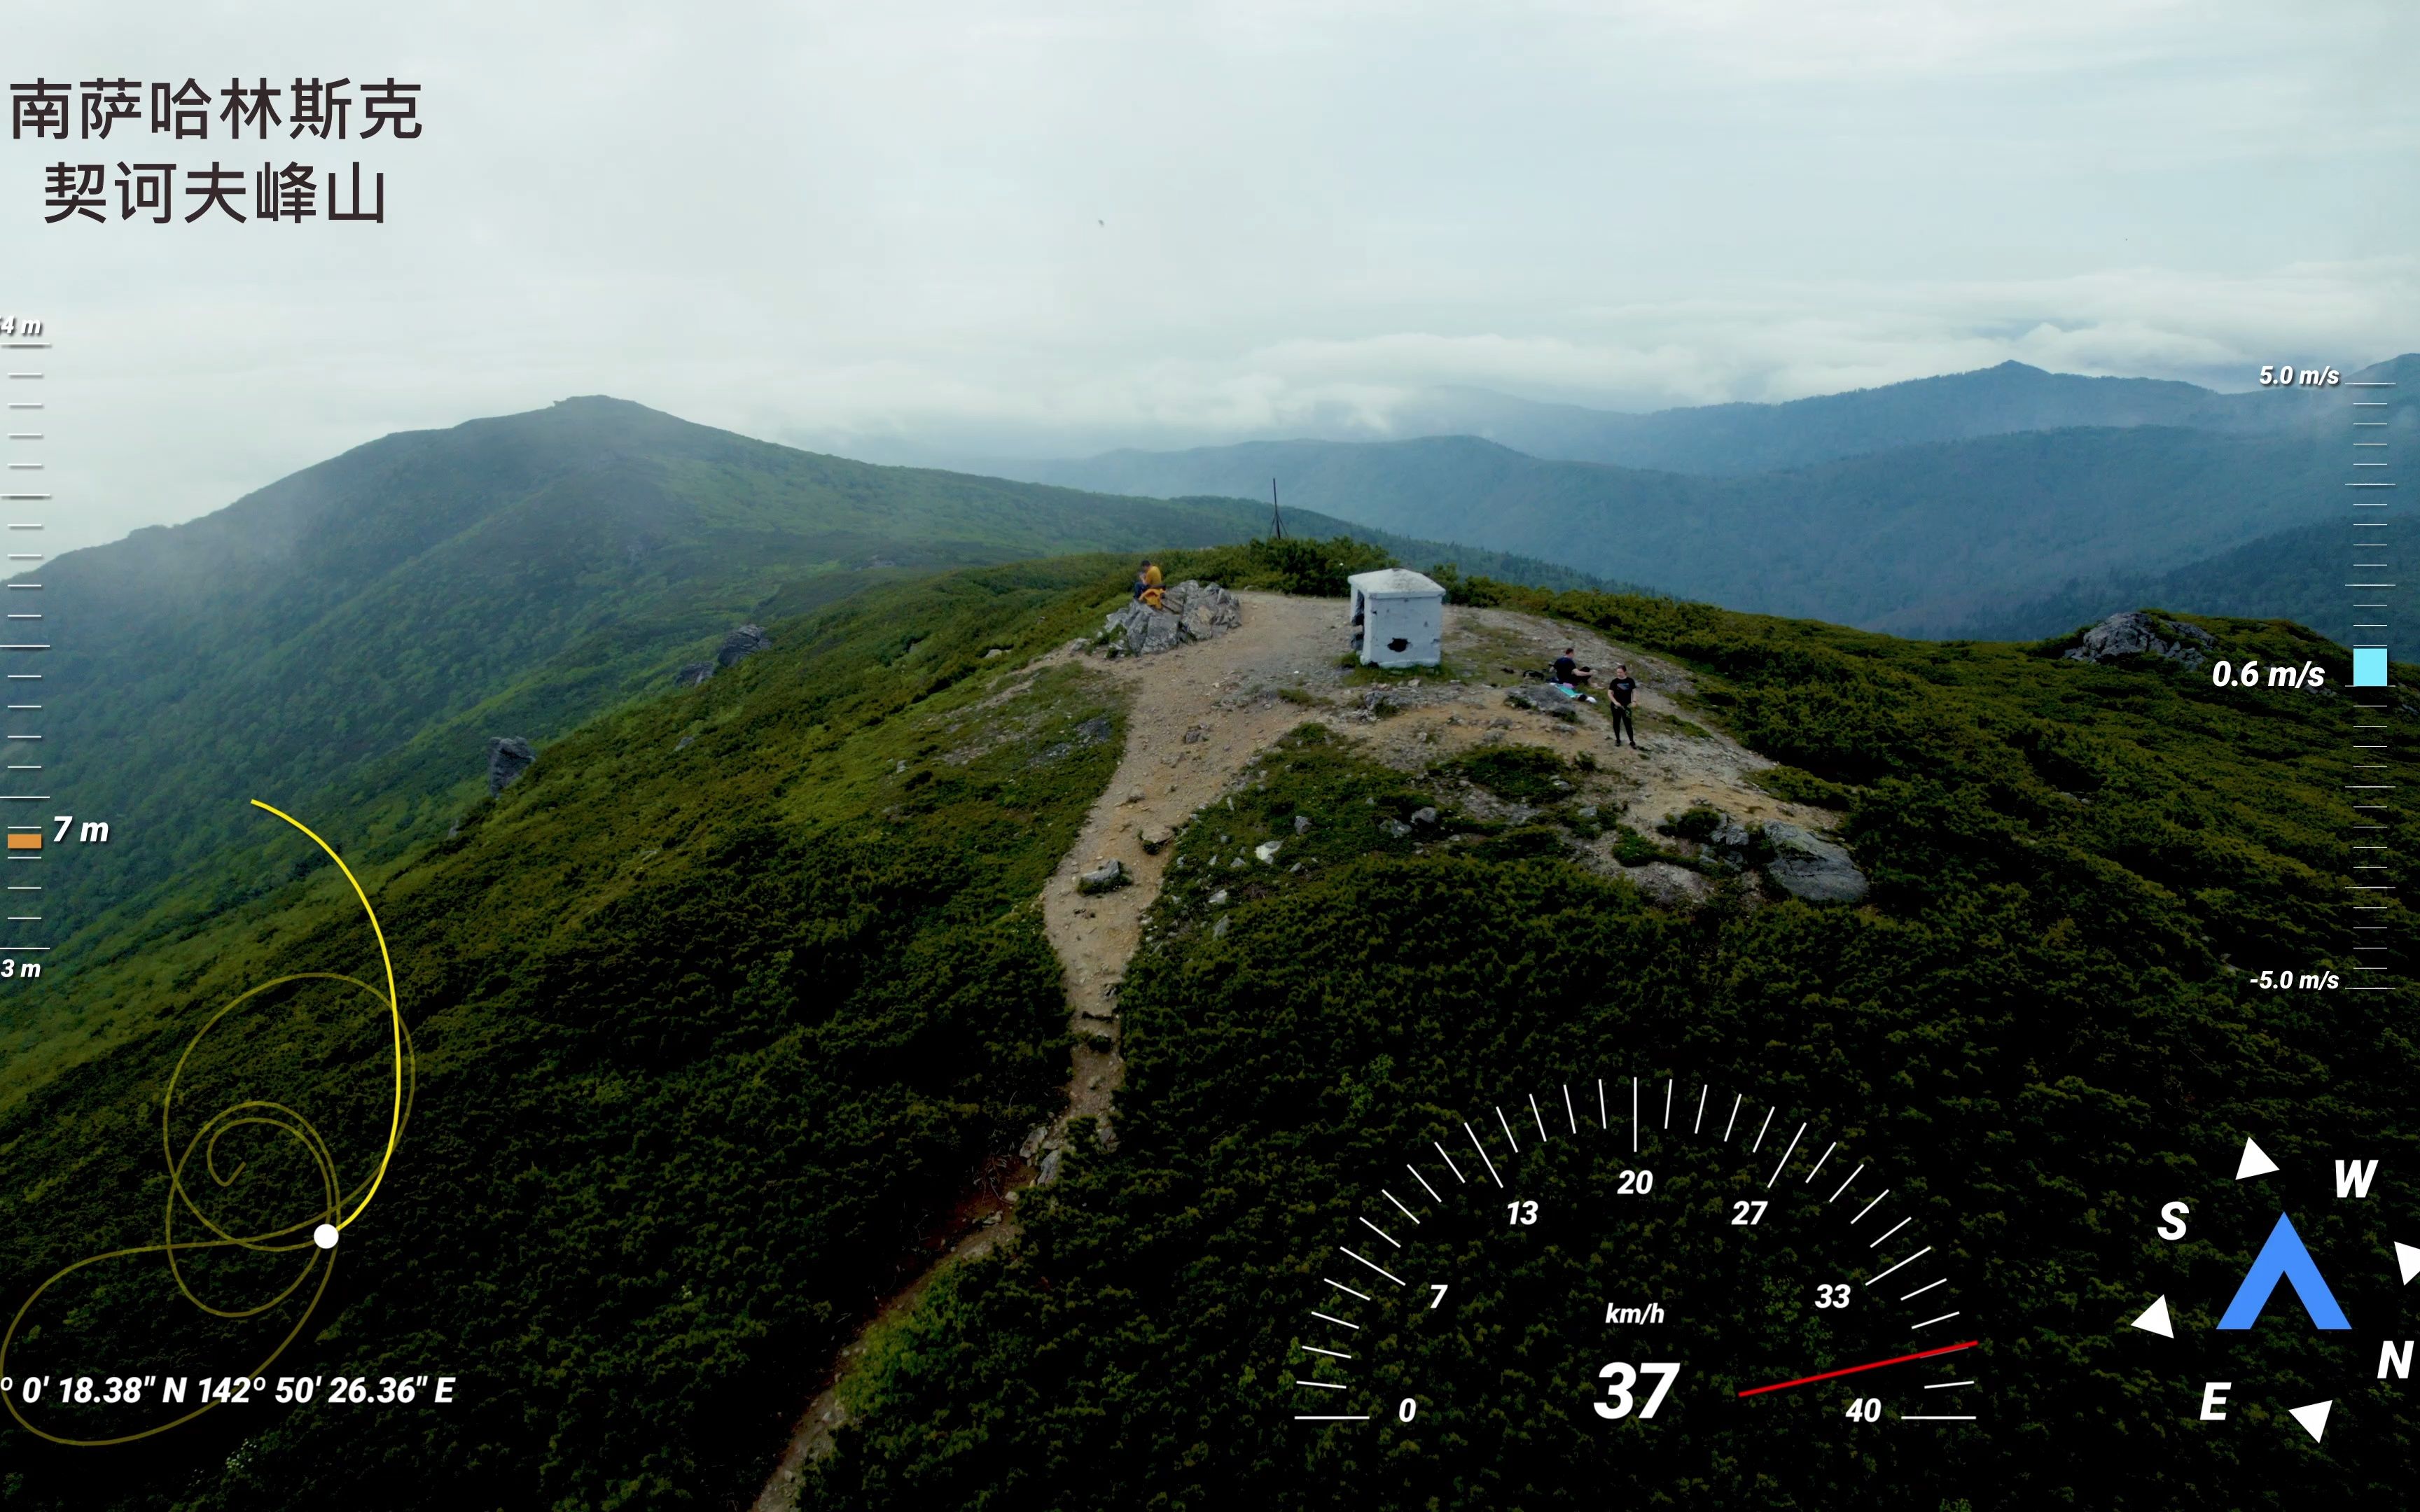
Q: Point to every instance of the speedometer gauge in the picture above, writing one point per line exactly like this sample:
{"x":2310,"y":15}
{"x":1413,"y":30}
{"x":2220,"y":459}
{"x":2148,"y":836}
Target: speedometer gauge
{"x":1649,"y":1286}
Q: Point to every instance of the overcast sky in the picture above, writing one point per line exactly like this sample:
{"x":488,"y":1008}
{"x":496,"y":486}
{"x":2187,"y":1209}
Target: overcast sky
{"x":1007,"y":226}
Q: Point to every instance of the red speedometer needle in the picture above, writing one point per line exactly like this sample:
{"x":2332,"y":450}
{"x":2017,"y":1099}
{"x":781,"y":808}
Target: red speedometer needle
{"x":1870,"y":1364}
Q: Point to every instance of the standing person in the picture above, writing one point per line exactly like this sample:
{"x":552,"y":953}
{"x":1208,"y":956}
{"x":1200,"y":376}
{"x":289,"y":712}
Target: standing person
{"x":1622,"y":686}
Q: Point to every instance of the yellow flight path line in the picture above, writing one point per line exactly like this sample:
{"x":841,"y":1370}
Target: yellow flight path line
{"x":393,"y":1008}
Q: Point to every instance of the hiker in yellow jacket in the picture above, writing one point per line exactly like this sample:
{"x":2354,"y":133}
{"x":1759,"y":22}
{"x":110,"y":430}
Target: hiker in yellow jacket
{"x":1146,"y":586}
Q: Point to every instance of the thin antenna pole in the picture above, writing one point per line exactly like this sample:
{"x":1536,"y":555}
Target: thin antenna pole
{"x":1277,"y":521}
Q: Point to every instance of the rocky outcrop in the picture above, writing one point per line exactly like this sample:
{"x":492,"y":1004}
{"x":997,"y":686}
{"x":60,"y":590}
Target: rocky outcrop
{"x":1107,"y":877}
{"x":2137,"y":634}
{"x":1189,"y":612}
{"x":692,"y":674}
{"x":1545,"y":702}
{"x":742,"y":643}
{"x":1808,"y":866}
{"x":508,"y":757}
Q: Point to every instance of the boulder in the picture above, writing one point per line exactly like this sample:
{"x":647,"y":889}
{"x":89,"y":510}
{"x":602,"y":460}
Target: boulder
{"x":1267,"y":852}
{"x":1189,"y":612}
{"x":1424,"y":816}
{"x":1218,"y":931}
{"x":2134,"y":633}
{"x":1155,"y":840}
{"x":508,"y":757}
{"x":1218,"y":899}
{"x":1107,"y":877}
{"x":692,"y":674}
{"x":1302,"y":823}
{"x":1542,"y":701}
{"x":1808,"y":866}
{"x":741,"y":643}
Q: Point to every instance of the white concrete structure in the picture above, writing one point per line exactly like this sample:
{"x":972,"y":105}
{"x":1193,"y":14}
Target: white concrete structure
{"x":1399,"y":617}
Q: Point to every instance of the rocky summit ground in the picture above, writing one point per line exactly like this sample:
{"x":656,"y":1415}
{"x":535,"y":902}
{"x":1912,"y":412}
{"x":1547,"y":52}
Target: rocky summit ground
{"x":1198,"y":716}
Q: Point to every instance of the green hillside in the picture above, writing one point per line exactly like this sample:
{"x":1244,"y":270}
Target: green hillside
{"x":2041,"y":1014}
{"x":2295,"y":575}
{"x":724,"y":999}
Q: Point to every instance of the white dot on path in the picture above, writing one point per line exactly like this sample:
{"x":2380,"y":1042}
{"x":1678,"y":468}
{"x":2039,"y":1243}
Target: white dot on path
{"x":324,"y":1236}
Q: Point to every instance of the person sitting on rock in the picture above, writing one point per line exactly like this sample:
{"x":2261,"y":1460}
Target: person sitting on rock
{"x":1147,"y":584}
{"x":1571,"y":673}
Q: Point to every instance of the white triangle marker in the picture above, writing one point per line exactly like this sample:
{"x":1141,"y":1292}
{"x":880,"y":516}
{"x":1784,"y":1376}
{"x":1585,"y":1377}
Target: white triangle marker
{"x":2253,"y":1163}
{"x":2407,"y":1259}
{"x":2155,"y":1319}
{"x":2314,"y":1418}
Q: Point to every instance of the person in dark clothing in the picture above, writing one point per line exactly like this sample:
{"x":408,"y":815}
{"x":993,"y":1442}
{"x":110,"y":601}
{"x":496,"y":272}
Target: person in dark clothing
{"x":1568,"y":672}
{"x":1623,"y":686}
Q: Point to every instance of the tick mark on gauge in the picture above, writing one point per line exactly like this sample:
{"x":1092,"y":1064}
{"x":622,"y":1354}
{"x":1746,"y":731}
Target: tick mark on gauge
{"x":1785,"y":1157}
{"x":1376,"y":1266}
{"x":1482,"y":1155}
{"x":1507,"y":1132}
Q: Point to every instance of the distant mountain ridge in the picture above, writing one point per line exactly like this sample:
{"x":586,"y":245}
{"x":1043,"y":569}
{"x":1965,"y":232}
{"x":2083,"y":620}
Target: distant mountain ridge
{"x":354,"y":633}
{"x":1915,"y":536}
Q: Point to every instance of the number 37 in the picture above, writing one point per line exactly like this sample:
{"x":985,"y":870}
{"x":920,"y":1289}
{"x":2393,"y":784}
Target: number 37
{"x":1619,"y":1378}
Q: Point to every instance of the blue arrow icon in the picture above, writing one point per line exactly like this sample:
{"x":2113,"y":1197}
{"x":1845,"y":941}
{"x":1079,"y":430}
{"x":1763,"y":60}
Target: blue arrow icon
{"x":2283,"y":1257}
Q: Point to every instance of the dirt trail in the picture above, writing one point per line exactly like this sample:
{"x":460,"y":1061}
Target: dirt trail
{"x":1196,"y":717}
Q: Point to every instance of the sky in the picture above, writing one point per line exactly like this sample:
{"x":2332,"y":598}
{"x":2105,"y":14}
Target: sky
{"x":928,"y":229}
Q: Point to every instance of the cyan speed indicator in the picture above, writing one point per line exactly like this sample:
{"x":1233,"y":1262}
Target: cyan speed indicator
{"x":1642,"y":1284}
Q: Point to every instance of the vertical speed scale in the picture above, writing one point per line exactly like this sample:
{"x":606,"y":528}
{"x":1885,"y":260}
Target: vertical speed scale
{"x":24,"y":800}
{"x":1634,"y":1286}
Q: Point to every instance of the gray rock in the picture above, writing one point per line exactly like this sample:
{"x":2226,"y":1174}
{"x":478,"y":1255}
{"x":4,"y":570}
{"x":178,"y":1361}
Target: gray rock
{"x":1197,"y":734}
{"x":1302,"y":823}
{"x":1377,"y":701}
{"x":1585,"y":810}
{"x":1050,"y":1168}
{"x":1155,"y":838}
{"x":1107,"y":877}
{"x":1218,"y":931}
{"x":2134,"y":633}
{"x":1267,"y":852}
{"x":1189,"y":612}
{"x":1218,"y":899}
{"x":1093,"y":731}
{"x":1540,"y":701}
{"x":684,"y":743}
{"x":742,"y":643}
{"x":508,"y":757}
{"x":1671,"y":886}
{"x":1206,"y":609}
{"x":1424,"y":816}
{"x":1808,"y":866}
{"x":1395,"y":829}
{"x":693,"y":674}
